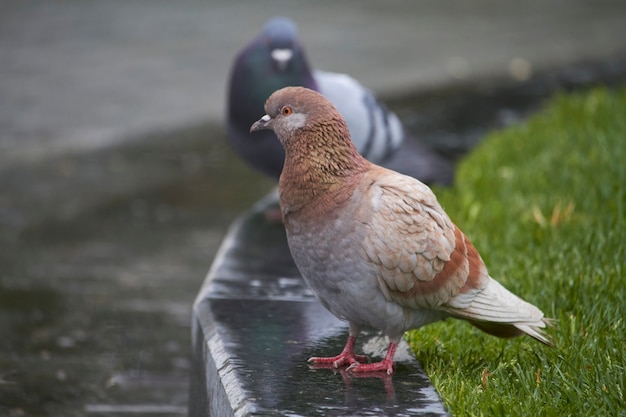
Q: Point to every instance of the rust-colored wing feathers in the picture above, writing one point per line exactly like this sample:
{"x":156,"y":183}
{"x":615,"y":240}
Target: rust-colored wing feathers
{"x":425,"y":259}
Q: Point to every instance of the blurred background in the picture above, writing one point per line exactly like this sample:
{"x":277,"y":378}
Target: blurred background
{"x":117,"y":184}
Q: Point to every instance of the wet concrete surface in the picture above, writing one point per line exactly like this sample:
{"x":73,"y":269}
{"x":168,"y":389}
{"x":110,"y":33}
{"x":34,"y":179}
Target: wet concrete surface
{"x":271,"y":341}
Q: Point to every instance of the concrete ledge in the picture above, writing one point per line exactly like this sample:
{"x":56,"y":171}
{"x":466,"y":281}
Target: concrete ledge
{"x":254,"y":325}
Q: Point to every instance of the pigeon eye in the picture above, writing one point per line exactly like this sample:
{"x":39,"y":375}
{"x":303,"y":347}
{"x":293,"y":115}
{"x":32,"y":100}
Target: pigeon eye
{"x":286,"y":111}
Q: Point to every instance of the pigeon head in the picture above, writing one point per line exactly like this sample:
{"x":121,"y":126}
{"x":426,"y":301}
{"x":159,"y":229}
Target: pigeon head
{"x":294,"y":109}
{"x":320,"y":158}
{"x":274,"y":59}
{"x":280,"y":36}
{"x":314,"y":134}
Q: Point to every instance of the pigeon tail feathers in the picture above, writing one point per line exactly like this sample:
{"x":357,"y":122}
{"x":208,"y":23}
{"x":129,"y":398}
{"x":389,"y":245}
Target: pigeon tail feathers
{"x":497,"y":311}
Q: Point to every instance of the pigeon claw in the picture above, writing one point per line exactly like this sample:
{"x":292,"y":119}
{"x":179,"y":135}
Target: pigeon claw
{"x":386,"y":365}
{"x":340,"y":360}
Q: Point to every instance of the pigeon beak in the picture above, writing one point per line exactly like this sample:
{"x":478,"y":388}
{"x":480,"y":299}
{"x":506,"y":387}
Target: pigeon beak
{"x":261,"y":124}
{"x":282,"y":57}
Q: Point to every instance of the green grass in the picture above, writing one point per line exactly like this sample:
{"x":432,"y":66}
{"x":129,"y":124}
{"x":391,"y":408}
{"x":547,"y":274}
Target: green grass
{"x":545,"y":204}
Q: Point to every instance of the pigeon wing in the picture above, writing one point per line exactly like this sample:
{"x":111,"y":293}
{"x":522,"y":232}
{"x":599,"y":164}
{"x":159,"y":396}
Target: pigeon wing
{"x":422,"y":259}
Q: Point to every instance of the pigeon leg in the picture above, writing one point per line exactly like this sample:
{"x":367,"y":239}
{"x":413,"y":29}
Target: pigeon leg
{"x":346,"y":357}
{"x":384,"y":365}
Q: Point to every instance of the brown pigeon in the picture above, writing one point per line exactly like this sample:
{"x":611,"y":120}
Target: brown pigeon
{"x":374,"y":245}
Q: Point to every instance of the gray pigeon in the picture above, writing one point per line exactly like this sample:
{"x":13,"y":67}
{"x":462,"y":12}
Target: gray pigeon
{"x":276,"y":59}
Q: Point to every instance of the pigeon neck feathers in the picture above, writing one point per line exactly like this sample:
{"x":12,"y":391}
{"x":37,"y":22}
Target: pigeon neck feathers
{"x":322,"y":164}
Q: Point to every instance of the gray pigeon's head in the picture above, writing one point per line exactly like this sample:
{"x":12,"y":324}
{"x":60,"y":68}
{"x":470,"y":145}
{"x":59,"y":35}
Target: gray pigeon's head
{"x":281,"y":37}
{"x":277,"y":50}
{"x":271,"y":61}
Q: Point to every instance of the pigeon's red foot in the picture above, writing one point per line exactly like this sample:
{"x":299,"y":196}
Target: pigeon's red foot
{"x":340,"y":360}
{"x":385,"y":365}
{"x":346,"y":357}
